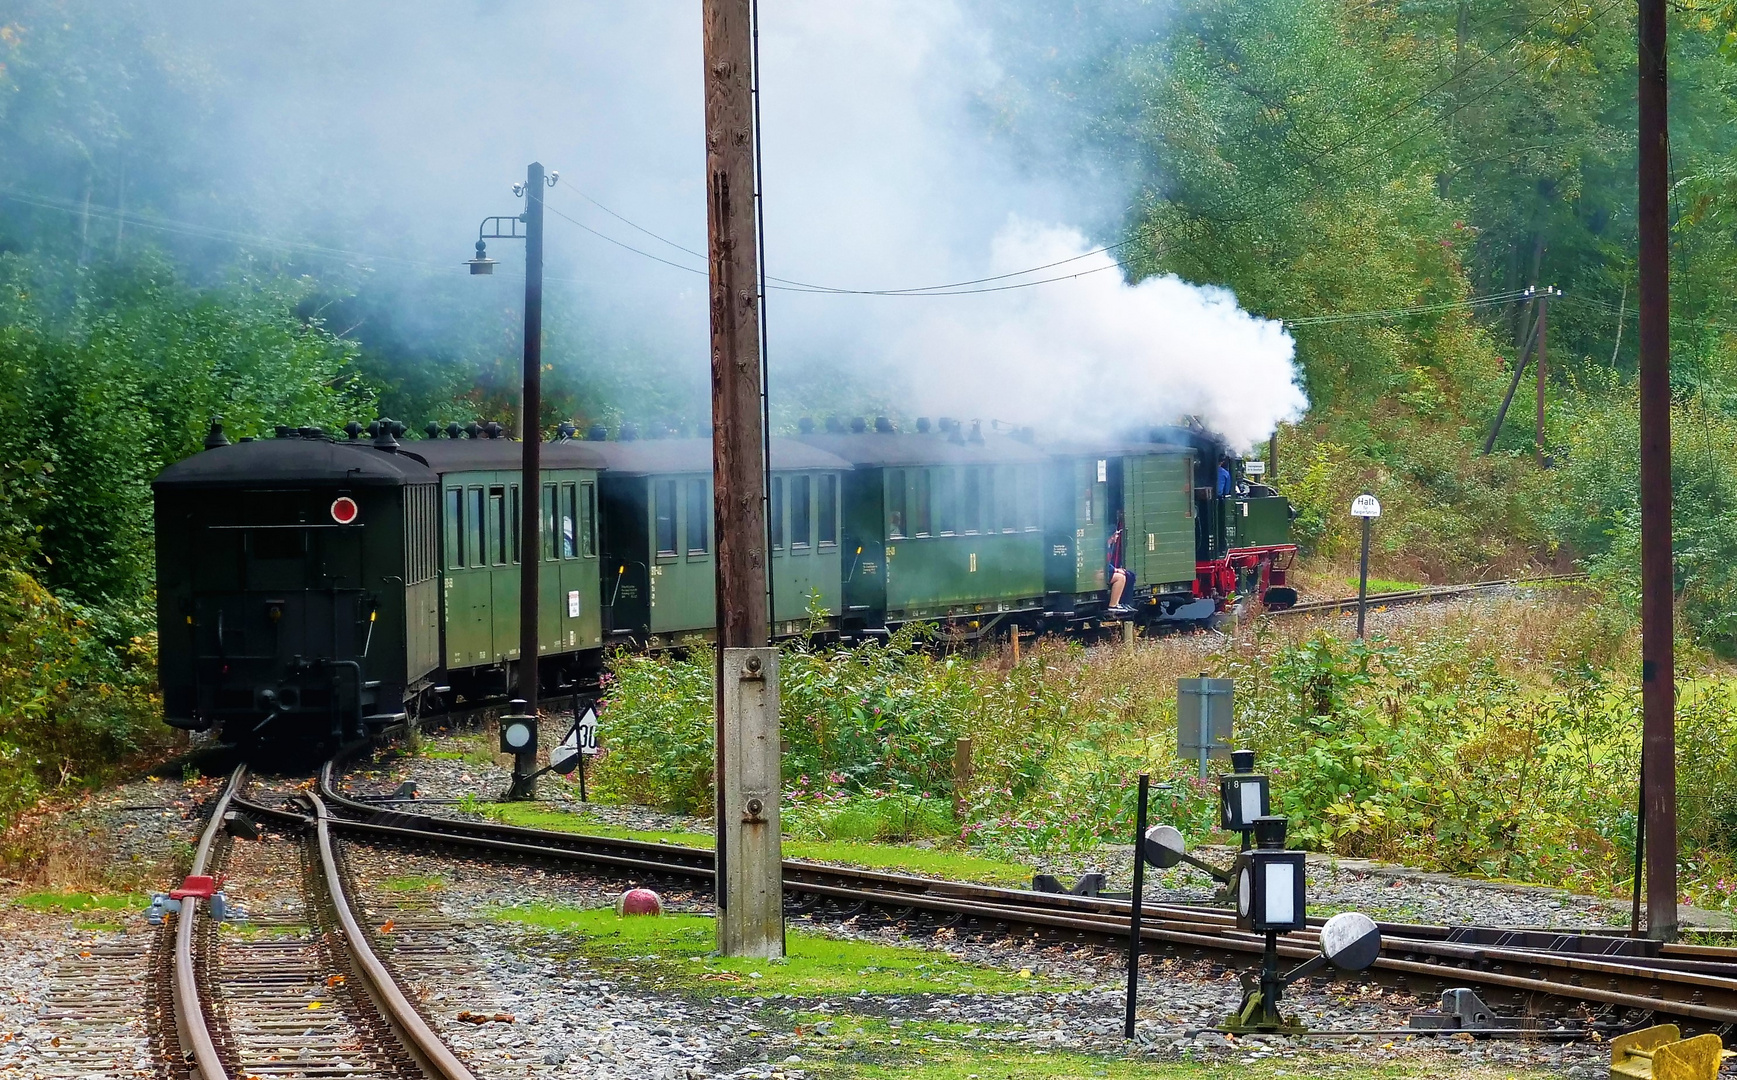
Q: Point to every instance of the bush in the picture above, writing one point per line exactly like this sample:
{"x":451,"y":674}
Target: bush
{"x":78,"y":692}
{"x":655,"y":725}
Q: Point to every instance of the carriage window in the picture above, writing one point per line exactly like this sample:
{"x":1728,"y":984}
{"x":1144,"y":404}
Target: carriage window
{"x":829,"y":510}
{"x":973,"y":510}
{"x":588,"y":520}
{"x":895,"y":503}
{"x":1188,"y":483}
{"x":801,"y":518}
{"x":1009,"y":505}
{"x":988,"y":519}
{"x":946,"y":506}
{"x":515,"y":523}
{"x":1029,"y":498}
{"x":1087,"y":513}
{"x":551,"y":512}
{"x":698,"y":513}
{"x":665,"y":512}
{"x":473,"y":529}
{"x":569,"y":521}
{"x":777,"y":511}
{"x":497,"y":525}
{"x":921,"y":525}
{"x":454,"y":528}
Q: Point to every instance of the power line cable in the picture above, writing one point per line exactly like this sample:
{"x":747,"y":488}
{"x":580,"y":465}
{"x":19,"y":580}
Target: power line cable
{"x":806,"y":286}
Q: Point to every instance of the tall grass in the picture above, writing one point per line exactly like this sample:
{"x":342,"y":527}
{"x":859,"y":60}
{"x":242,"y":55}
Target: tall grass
{"x":1497,"y":737}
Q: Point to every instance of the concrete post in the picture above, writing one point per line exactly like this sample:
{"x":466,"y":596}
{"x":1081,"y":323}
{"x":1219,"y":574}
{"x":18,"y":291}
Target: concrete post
{"x":750,"y":852}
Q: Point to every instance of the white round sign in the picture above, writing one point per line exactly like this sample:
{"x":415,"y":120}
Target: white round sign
{"x":1366,"y":506}
{"x":1164,"y":846}
{"x":1244,"y":892}
{"x":517,"y":736}
{"x":1351,"y":941}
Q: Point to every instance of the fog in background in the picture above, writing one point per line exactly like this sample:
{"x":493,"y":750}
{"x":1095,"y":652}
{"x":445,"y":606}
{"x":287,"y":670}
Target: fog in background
{"x":907,"y":144}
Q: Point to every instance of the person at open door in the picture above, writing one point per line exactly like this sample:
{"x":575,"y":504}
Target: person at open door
{"x":1118,"y":576}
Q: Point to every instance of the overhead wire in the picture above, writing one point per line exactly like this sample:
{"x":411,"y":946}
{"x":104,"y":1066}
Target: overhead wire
{"x":793,"y":285}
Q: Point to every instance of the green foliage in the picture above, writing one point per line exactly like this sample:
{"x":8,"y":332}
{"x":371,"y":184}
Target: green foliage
{"x":656,"y":729}
{"x":78,"y":691}
{"x":107,"y":376}
{"x":818,"y":812}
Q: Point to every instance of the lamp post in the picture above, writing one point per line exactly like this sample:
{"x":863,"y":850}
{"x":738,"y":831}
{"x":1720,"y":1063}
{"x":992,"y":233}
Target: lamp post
{"x":524,"y":784}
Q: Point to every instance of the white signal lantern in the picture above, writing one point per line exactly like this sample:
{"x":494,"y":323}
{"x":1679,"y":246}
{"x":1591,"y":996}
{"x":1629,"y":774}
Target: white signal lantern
{"x":344,"y":510}
{"x":1269,"y":882}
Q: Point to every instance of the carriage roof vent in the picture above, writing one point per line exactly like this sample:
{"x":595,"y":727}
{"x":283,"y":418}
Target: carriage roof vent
{"x":805,"y":425}
{"x":628,"y":432}
{"x":215,"y":437}
{"x":922,"y":425}
{"x":858,"y":424}
{"x":976,"y":431}
{"x":382,"y":430}
{"x":597,"y":433}
{"x":883,"y":425}
{"x":834,"y":425}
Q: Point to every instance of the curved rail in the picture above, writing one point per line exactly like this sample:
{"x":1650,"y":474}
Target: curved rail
{"x":203,"y":1062}
{"x":1699,"y":990}
{"x":430,"y":1053}
{"x":1416,"y":596}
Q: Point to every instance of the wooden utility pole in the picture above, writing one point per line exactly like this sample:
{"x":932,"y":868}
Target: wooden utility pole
{"x":1658,"y":660}
{"x":531,"y":473}
{"x":749,"y":856}
{"x":1543,"y":365}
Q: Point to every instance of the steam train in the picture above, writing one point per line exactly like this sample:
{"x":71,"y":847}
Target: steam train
{"x":315,"y":586}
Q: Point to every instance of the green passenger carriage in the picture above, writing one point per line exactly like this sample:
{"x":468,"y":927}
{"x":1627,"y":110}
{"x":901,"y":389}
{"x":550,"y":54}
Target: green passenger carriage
{"x":659,"y":554}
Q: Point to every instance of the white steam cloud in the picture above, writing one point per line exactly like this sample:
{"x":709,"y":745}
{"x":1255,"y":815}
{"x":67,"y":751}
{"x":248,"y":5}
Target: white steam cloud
{"x":1092,"y":355}
{"x":899,"y":152}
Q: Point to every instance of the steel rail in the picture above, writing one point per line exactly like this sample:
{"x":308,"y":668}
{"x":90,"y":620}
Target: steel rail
{"x":197,"y":1047}
{"x":1415,"y":596}
{"x":430,"y":1053}
{"x":1701,"y":992}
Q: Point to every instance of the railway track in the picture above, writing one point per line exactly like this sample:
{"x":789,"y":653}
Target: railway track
{"x":1618,"y":981}
{"x":1418,"y":596}
{"x":302,"y":992}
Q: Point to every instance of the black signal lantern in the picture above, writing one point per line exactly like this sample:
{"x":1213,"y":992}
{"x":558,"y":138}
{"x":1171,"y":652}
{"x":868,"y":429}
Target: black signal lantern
{"x":518,"y":731}
{"x":1269,"y":881}
{"x":1243,"y":796}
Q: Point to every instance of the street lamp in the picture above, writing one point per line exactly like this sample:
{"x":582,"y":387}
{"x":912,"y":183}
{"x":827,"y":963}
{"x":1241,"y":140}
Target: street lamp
{"x":530,"y":435}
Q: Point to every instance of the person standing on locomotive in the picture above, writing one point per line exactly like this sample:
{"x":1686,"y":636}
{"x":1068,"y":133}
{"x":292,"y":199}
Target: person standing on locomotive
{"x":1120,"y":578}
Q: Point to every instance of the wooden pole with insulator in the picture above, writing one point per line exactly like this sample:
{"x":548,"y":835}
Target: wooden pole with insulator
{"x":1658,"y":659}
{"x":749,"y":855}
{"x":531,"y":472}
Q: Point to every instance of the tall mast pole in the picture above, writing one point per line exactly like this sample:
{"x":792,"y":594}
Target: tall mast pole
{"x":1658,"y":661}
{"x":531,"y":438}
{"x":749,"y":862}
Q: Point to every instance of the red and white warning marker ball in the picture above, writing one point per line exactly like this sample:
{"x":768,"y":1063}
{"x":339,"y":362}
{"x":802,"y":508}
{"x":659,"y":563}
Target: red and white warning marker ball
{"x":344,"y":510}
{"x":639,"y":902}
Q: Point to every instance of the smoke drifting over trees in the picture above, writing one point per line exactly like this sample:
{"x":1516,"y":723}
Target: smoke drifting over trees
{"x":906,"y":144}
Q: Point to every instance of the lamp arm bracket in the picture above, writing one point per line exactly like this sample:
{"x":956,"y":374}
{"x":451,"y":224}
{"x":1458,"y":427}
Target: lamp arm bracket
{"x":494,"y":222}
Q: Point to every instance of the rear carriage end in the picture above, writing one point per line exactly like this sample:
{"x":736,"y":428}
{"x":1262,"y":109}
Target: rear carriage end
{"x":297,"y":581}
